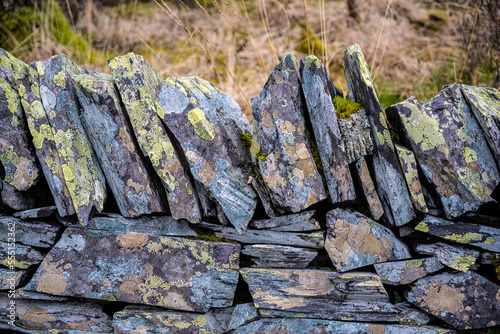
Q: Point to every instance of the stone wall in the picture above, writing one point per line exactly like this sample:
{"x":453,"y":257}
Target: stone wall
{"x":134,"y":204}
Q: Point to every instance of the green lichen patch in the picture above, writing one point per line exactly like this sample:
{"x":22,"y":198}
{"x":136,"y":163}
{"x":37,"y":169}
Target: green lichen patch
{"x":344,"y":107}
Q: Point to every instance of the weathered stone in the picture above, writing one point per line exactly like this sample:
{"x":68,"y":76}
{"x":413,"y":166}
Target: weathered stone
{"x":83,"y":177}
{"x":318,"y":87}
{"x":139,"y":86}
{"x":464,"y":300}
{"x":10,"y":279}
{"x":297,"y":222}
{"x":44,"y":212}
{"x":23,"y":294}
{"x":404,"y":272}
{"x":19,"y":256}
{"x":15,"y":199}
{"x":490,"y":258}
{"x":485,"y":237}
{"x":207,"y":124}
{"x":356,"y":135}
{"x":389,"y":177}
{"x":173,"y":272}
{"x":362,"y":174}
{"x":456,"y":257}
{"x":33,"y":233}
{"x":409,"y":315}
{"x":104,"y":121}
{"x":310,"y":240}
{"x":410,"y":170}
{"x":354,"y":240}
{"x":286,"y":162}
{"x":276,"y":256}
{"x":230,"y":318}
{"x":450,"y":148}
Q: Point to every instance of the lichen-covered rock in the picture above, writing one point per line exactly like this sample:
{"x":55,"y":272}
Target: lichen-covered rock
{"x":410,"y":170}
{"x":391,"y":185}
{"x":455,"y":257}
{"x":139,"y":86}
{"x":409,"y":315}
{"x":318,"y":88}
{"x":33,"y":233}
{"x":23,"y":257}
{"x":277,"y":256}
{"x":10,"y":279}
{"x":20,"y":200}
{"x":356,"y":135}
{"x":297,"y":222}
{"x":404,"y":272}
{"x":207,"y":124}
{"x":42,"y":212}
{"x":173,"y":272}
{"x":230,"y":318}
{"x":485,"y":237}
{"x":354,"y":240}
{"x":463,"y":300}
{"x":104,"y":121}
{"x":286,"y":163}
{"x":362,"y":174}
{"x":450,"y":148}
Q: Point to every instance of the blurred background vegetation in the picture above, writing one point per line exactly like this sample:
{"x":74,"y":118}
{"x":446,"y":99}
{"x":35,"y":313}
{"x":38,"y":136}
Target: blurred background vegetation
{"x":412,"y":47}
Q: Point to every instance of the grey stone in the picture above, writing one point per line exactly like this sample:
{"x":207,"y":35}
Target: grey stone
{"x":404,"y":272}
{"x":456,"y":257}
{"x":276,"y":256}
{"x":297,"y":222}
{"x":356,"y":135}
{"x":32,"y":233}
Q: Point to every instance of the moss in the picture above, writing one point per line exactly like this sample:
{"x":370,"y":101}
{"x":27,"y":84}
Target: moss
{"x":261,"y":156}
{"x":345,"y":108}
{"x":246,"y":140}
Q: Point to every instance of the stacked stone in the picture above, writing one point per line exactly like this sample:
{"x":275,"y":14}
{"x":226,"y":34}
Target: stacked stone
{"x":306,"y":221}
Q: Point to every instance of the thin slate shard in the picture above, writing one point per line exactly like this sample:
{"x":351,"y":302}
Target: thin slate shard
{"x":104,"y":121}
{"x":24,"y":257}
{"x":33,"y":233}
{"x":139,"y":85}
{"x":314,"y":81}
{"x":450,"y":148}
{"x":404,"y":272}
{"x":455,"y":257}
{"x":278,"y":256}
{"x":297,"y":222}
{"x":391,"y":185}
{"x":207,"y":124}
{"x":356,"y":135}
{"x":83,"y":177}
{"x":286,"y":164}
{"x":371,"y":197}
{"x":410,"y":170}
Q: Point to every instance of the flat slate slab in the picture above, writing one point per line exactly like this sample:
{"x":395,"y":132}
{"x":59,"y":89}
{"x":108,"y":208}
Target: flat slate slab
{"x":362,"y":174}
{"x":42,"y":212}
{"x":404,"y":272}
{"x":354,"y":240}
{"x":24,"y":257}
{"x":286,"y":163}
{"x":453,"y":256}
{"x":11,"y":279}
{"x":464,"y":300}
{"x":139,"y":86}
{"x":208,"y":124}
{"x":172,"y":272}
{"x":319,"y":92}
{"x":229,"y":318}
{"x":356,"y":134}
{"x":29,"y":233}
{"x":410,"y":170}
{"x":389,"y":178}
{"x":277,"y":256}
{"x":297,"y":222}
{"x":450,"y":148}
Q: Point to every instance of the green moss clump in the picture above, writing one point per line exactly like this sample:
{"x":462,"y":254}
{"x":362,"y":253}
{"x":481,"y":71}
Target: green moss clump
{"x":246,"y":140}
{"x":345,"y":108}
{"x":261,"y":156}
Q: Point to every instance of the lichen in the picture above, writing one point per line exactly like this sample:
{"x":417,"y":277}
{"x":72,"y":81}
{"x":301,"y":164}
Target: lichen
{"x":345,"y":108}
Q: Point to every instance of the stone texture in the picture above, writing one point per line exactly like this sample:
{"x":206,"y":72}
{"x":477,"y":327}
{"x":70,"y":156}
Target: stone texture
{"x":139,"y":86}
{"x":276,"y":256}
{"x":19,"y":256}
{"x":463,"y":300}
{"x":410,"y":170}
{"x":319,"y":92}
{"x":455,"y":257}
{"x":286,"y":163}
{"x":409,"y":315}
{"x":354,"y":240}
{"x":450,"y":148}
{"x":365,"y":181}
{"x":207,"y":124}
{"x":173,"y":272}
{"x":227,"y":319}
{"x":10,"y":279}
{"x":37,"y":213}
{"x":356,"y":135}
{"x":103,"y":118}
{"x":298,"y":222}
{"x":391,"y":185}
{"x":33,"y":233}
{"x":404,"y":272}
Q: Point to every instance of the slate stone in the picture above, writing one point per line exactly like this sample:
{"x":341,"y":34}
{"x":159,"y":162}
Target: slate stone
{"x":286,"y":163}
{"x":15,"y":199}
{"x":172,"y":272}
{"x":139,"y":86}
{"x":410,"y":170}
{"x":227,"y":319}
{"x":207,"y":124}
{"x":391,"y":185}
{"x":456,"y":257}
{"x":11,"y":279}
{"x":490,"y":258}
{"x":404,"y":272}
{"x":276,"y":256}
{"x":450,"y":148}
{"x":362,"y":174}
{"x":297,"y":222}
{"x":19,"y":256}
{"x":309,"y":240}
{"x":315,"y":83}
{"x":23,"y":294}
{"x":464,"y":300}
{"x":354,"y":240}
{"x":43,"y":212}
{"x":32,"y":233}
{"x":485,"y":237}
{"x":104,"y":120}
{"x":411,"y":316}
{"x":356,"y":134}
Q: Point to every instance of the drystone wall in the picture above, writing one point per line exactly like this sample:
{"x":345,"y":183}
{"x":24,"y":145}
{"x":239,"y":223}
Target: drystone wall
{"x":134,"y":204}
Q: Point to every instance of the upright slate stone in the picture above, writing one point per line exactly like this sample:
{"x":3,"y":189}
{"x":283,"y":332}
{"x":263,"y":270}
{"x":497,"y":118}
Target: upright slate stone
{"x":207,"y":124}
{"x":371,"y":198}
{"x":450,"y":148}
{"x":318,"y":87}
{"x":391,"y":185}
{"x":139,"y":85}
{"x":286,"y":163}
{"x":356,"y":134}
{"x":104,"y":121}
{"x":410,"y":170}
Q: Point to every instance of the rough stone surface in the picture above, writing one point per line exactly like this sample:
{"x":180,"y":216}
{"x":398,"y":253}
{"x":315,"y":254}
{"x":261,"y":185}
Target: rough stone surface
{"x":10,"y":279}
{"x":24,"y":257}
{"x":450,"y":148}
{"x":139,"y":86}
{"x":297,"y":222}
{"x":286,"y":162}
{"x":362,"y":173}
{"x":44,"y":212}
{"x":318,"y":87}
{"x":33,"y":233}
{"x":177,"y":273}
{"x":207,"y":124}
{"x":277,"y":256}
{"x":404,"y":272}
{"x":409,"y":315}
{"x":354,"y":240}
{"x":456,"y":257}
{"x":464,"y":300}
{"x":391,"y":185}
{"x":230,"y":318}
{"x":410,"y":170}
{"x":356,"y":135}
